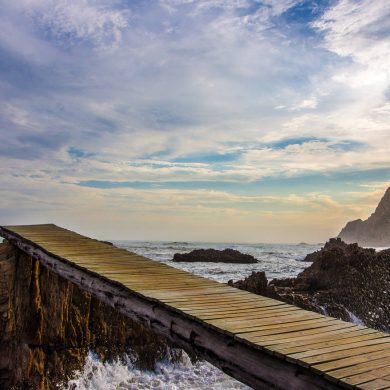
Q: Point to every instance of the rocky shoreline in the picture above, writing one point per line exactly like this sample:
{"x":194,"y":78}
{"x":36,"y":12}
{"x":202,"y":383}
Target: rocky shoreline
{"x":344,"y":281}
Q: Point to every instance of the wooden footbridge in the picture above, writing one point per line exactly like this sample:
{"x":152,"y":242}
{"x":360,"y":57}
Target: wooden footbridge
{"x":262,"y":342}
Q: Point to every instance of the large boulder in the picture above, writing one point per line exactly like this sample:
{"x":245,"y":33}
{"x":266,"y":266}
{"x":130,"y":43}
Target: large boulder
{"x":215,"y":256}
{"x":330,"y":245}
{"x":255,"y":283}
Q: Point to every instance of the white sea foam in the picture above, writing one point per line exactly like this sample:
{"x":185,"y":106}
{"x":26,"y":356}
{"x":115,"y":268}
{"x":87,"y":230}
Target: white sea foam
{"x":182,"y":375}
{"x":324,"y":310}
{"x":354,"y":319}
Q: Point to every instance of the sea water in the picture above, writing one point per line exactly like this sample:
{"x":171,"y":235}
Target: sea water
{"x":277,"y":260}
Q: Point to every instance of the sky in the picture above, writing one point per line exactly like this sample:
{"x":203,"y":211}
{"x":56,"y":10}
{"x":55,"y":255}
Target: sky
{"x":211,"y":120}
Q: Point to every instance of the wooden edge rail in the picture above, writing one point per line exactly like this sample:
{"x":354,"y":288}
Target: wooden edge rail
{"x":243,"y":360}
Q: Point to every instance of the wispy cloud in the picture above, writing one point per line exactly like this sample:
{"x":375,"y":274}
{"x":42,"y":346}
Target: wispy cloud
{"x":69,"y":22}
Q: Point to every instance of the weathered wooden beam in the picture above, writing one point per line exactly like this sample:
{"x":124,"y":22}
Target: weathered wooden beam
{"x":240,"y":359}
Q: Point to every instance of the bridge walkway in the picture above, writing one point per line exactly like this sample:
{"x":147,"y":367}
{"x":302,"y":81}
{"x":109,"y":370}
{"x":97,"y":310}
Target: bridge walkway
{"x":260,"y":341}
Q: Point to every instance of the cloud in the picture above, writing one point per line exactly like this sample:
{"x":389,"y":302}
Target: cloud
{"x":351,"y":28}
{"x":359,"y":30}
{"x":70,"y":22}
{"x":305,"y":104}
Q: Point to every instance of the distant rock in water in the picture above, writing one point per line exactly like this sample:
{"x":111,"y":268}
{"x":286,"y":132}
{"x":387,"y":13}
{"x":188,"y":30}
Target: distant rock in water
{"x":345,"y":281}
{"x":374,"y":231}
{"x":215,"y":256}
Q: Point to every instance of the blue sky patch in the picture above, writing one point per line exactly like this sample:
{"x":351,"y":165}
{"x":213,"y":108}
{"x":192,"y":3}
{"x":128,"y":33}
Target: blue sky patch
{"x":209,"y":158}
{"x":78,"y":153}
{"x":283,"y":143}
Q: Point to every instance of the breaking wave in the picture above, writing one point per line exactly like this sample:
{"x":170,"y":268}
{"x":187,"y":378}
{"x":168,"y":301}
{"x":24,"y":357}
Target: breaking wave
{"x":182,"y":375}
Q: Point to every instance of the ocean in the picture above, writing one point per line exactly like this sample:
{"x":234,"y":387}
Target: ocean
{"x":277,"y":260}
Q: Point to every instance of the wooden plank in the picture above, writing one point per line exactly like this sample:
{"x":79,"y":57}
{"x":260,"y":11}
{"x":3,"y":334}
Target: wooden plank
{"x":352,"y":361}
{"x":217,"y":297}
{"x":252,"y":312}
{"x":224,"y":308}
{"x":204,"y":308}
{"x":166,"y":296}
{"x":246,"y":310}
{"x":267,"y":340}
{"x":376,"y":384}
{"x":281,"y":322}
{"x":367,"y":376}
{"x":237,"y":300}
{"x":347,"y":329}
{"x":340,"y":346}
{"x":152,"y":290}
{"x":280,"y":328}
{"x":345,"y":353}
{"x":326,"y":344}
{"x":162,"y":294}
{"x":134,"y":258}
{"x":276,"y":320}
{"x":361,"y":368}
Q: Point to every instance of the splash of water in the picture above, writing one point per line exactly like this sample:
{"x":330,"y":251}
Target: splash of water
{"x":182,"y":375}
{"x":323,"y":310}
{"x":354,"y":319}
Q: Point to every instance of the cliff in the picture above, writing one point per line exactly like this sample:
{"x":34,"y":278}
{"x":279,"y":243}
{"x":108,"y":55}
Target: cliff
{"x":48,"y":325}
{"x":374,"y":231}
{"x":345,"y":281}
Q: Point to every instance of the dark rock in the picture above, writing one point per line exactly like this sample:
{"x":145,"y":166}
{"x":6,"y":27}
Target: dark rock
{"x":215,"y":256}
{"x":255,"y":283}
{"x":345,"y":281}
{"x":374,"y":231}
{"x":332,"y":244}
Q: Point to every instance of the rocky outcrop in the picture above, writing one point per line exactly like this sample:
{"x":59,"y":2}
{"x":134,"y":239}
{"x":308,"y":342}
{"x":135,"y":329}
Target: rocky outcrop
{"x":48,"y":325}
{"x":256,"y":283}
{"x":374,"y":231}
{"x":329,"y":246}
{"x":215,"y":256}
{"x":345,"y":281}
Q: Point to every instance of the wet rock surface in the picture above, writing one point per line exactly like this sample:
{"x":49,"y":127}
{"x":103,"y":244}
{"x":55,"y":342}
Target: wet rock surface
{"x":48,"y":325}
{"x":257,"y":283}
{"x":330,"y":245}
{"x":345,"y":281}
{"x":215,"y":256}
{"x":374,"y":231}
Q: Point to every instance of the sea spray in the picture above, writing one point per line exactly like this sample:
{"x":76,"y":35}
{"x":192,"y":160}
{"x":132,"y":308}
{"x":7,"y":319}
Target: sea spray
{"x":123,"y":375}
{"x":354,"y":319}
